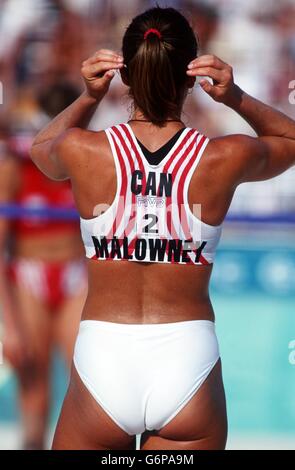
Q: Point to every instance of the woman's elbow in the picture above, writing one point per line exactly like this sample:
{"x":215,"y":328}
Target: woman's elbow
{"x":43,"y":160}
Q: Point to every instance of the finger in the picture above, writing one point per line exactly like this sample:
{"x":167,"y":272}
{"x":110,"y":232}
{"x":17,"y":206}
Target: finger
{"x":109,"y":75}
{"x":207,"y":87}
{"x":102,"y":58}
{"x":100,"y":55}
{"x":92,"y":71}
{"x":106,"y":79}
{"x":106,"y":51}
{"x":207,"y":61}
{"x":216,"y":75}
{"x":210,"y":61}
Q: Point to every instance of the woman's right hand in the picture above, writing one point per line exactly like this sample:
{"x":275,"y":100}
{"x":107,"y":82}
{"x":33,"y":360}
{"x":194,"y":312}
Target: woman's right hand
{"x":98,"y":71}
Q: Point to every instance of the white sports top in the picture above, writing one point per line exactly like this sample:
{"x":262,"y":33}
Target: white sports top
{"x":150,"y":219}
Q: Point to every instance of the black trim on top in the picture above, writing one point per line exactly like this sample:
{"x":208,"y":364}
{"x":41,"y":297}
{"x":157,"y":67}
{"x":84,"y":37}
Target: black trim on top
{"x":154,"y":158}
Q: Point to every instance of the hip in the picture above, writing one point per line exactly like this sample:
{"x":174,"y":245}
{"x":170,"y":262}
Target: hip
{"x":50,"y":282}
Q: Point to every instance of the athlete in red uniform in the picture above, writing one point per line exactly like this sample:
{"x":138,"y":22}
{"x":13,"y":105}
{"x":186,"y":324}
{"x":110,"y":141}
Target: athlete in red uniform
{"x":43,"y":303}
{"x":146,"y":358}
{"x":55,"y":281}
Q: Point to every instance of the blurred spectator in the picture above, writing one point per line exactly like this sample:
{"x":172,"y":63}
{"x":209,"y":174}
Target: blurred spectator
{"x":43,"y":41}
{"x":43,"y":279}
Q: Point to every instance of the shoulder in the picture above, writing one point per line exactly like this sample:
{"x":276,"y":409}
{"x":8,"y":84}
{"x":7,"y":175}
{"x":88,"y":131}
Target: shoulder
{"x":75,"y":140}
{"x":235,"y":154}
{"x":77,"y":146}
{"x":232,"y":145}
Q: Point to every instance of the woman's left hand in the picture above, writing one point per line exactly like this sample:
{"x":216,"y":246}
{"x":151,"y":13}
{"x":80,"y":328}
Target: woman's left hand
{"x":223,"y":89}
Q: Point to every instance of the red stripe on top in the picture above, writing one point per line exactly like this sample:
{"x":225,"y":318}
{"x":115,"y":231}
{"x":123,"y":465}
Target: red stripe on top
{"x":132,"y":220}
{"x":170,"y":225}
{"x":132,"y":168}
{"x":187,"y":233}
{"x":169,"y":221}
{"x":177,"y":150}
{"x":123,"y":191}
{"x":131,"y":223}
{"x":180,"y":196}
{"x":166,"y":167}
{"x":180,"y":189}
{"x":204,"y":261}
{"x":137,"y":154}
{"x":124,"y":180}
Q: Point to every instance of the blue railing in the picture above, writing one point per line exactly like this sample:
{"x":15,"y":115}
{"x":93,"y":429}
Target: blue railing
{"x":16,"y":211}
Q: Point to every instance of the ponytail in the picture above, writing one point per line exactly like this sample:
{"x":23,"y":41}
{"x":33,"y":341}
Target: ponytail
{"x":157,"y":47}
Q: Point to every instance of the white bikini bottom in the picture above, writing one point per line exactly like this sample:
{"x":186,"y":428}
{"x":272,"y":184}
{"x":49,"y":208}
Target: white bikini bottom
{"x":142,"y":375}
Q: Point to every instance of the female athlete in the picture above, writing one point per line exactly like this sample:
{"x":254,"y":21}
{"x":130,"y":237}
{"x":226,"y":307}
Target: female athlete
{"x":152,"y":195}
{"x":44,"y":288}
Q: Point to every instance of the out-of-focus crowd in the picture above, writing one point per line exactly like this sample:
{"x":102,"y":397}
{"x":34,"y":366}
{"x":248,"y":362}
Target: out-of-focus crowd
{"x":43,"y":43}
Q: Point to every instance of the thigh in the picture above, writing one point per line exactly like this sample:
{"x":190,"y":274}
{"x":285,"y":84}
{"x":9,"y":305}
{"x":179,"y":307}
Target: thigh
{"x":84,"y":425}
{"x":35,"y":321}
{"x":35,"y":327}
{"x":200,"y":425}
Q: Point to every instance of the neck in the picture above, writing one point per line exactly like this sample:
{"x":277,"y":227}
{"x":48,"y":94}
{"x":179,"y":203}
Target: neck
{"x":139,"y":116}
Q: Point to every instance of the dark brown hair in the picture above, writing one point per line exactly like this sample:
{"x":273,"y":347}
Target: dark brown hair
{"x":156,"y":67}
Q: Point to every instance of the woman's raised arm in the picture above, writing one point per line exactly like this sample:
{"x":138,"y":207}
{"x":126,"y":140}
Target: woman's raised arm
{"x":251,"y":159}
{"x":53,"y":143}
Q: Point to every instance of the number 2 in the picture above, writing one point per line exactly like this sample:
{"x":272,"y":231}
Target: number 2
{"x":149,"y":227}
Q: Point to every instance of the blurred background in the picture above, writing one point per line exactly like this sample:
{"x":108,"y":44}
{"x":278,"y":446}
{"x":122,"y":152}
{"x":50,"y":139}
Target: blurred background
{"x":43,"y":43}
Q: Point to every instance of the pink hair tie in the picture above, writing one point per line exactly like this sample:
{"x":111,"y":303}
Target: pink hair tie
{"x":152,"y":31}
